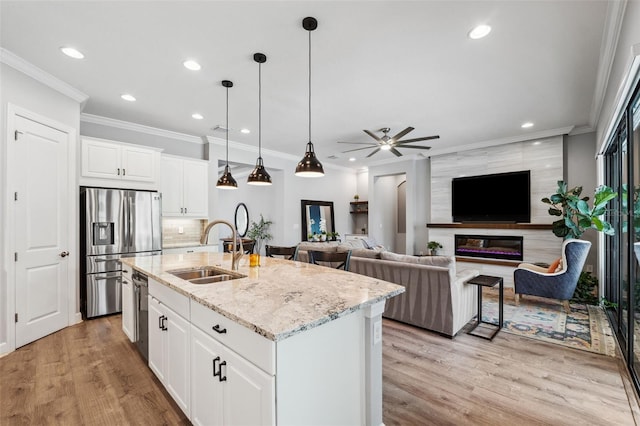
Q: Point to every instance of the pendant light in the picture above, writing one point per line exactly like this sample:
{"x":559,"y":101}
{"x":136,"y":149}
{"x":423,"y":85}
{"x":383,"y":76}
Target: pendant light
{"x":227,"y":181}
{"x":309,"y":166}
{"x":259,"y":175}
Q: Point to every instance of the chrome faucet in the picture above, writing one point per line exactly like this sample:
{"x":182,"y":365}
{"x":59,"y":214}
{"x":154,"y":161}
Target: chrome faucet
{"x":236,"y":254}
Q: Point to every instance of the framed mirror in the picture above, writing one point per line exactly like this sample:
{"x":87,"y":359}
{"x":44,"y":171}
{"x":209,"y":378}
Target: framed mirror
{"x":241,"y":219}
{"x":316,"y":217}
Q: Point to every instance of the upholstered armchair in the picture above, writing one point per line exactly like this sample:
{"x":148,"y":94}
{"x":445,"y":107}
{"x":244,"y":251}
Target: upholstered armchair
{"x":536,"y":281}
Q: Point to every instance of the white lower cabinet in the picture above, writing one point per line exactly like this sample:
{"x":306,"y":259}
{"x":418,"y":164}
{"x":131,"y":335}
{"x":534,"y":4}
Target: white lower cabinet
{"x":128,"y":323}
{"x":226,"y":388}
{"x":169,"y":358}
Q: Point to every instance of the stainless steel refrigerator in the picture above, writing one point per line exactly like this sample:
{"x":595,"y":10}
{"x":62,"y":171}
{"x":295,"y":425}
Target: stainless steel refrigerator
{"x":114,"y":223}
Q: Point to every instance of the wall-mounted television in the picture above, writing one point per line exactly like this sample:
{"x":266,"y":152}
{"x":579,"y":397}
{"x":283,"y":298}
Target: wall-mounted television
{"x":501,"y":197}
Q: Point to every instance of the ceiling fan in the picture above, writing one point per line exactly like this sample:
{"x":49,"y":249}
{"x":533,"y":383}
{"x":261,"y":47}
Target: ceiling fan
{"x":386,"y":143}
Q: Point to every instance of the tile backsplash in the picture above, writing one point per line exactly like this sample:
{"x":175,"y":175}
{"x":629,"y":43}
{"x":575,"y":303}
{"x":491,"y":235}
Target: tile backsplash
{"x":182,"y":231}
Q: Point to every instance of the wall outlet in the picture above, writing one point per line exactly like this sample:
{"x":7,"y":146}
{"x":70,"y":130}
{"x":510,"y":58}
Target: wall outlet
{"x":180,"y":229}
{"x":377,"y":332}
{"x":588,"y":268}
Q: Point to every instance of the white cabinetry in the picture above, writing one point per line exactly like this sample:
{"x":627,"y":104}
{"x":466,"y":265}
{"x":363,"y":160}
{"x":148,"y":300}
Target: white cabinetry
{"x":127,"y":303}
{"x":185,"y":187}
{"x":227,"y":389}
{"x":169,"y":342}
{"x":114,"y":164}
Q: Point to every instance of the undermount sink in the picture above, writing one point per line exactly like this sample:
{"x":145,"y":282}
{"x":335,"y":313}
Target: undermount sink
{"x":204,"y":275}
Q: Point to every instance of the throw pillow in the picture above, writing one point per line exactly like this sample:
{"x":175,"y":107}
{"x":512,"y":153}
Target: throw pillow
{"x":554,"y":265}
{"x":362,"y":252}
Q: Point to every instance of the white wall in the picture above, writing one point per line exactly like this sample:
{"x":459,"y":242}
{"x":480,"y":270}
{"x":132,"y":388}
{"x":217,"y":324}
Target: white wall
{"x":169,"y":144}
{"x":628,"y":38}
{"x":23,"y":91}
{"x":280,"y":203}
{"x":386,"y":208}
{"x":416,"y":170}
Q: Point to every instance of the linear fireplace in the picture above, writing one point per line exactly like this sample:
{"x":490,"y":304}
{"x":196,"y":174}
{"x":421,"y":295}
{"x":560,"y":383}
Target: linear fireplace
{"x":489,"y":246}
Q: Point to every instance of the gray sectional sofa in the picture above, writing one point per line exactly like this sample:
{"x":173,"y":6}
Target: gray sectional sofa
{"x":436,"y":296}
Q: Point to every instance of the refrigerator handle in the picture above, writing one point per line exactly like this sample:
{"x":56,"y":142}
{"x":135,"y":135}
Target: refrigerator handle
{"x":126,"y":222}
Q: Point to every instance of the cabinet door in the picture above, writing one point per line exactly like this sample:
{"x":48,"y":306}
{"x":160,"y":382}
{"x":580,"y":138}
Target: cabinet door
{"x":206,"y":389}
{"x":138,"y":164}
{"x":127,"y":308}
{"x":177,"y":358}
{"x":157,"y":340}
{"x":196,"y":189}
{"x":249,"y":393}
{"x":171,"y":186}
{"x":100,"y":159}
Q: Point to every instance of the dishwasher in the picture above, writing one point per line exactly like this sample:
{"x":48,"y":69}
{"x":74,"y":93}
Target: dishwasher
{"x":141,"y":312}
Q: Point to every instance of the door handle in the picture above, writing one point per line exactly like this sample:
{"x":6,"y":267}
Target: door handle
{"x":160,"y":318}
{"x":185,"y":210}
{"x":216,"y":359}
{"x":64,"y":254}
{"x":118,"y":171}
{"x":124,"y":172}
{"x":164,"y":327}
{"x":222,"y":379}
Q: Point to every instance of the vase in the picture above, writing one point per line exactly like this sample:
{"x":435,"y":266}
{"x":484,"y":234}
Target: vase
{"x":323,"y":237}
{"x":254,"y":259}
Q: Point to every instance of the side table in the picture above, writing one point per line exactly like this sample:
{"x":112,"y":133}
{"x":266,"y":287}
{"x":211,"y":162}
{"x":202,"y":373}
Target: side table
{"x":487,"y":281}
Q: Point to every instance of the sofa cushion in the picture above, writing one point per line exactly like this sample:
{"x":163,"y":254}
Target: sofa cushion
{"x":368,"y":253}
{"x":351,"y":245}
{"x":442,"y":261}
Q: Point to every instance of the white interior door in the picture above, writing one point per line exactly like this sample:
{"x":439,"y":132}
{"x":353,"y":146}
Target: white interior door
{"x":41,"y":229}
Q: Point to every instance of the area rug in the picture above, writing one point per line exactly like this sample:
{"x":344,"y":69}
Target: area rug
{"x":585,"y":328}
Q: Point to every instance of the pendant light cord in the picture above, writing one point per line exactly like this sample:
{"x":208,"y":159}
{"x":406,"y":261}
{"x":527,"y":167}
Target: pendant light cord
{"x":227,"y":125}
{"x":259,"y":110}
{"x":309,"y":86}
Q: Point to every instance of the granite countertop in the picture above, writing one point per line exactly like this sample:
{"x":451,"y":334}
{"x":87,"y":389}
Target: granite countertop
{"x":278,"y":299}
{"x":187,"y":244}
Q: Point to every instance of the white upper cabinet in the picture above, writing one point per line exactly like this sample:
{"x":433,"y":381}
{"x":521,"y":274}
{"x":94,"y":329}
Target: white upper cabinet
{"x":114,"y":164}
{"x":185,"y":187}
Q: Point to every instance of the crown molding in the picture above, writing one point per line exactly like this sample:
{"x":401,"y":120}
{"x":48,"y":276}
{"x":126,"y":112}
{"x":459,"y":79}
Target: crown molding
{"x":543,"y":134}
{"x":14,"y":61}
{"x":610,"y":36}
{"x":579,"y":130}
{"x":140,"y":128}
{"x":277,"y":154}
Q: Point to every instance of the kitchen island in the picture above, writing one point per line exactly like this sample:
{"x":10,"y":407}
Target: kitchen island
{"x":285,"y":343}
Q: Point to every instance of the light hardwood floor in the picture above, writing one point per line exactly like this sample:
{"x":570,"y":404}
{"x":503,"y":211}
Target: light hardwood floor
{"x":90,"y":374}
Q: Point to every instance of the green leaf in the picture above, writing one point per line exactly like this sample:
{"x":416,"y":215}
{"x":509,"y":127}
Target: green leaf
{"x":554,"y":212}
{"x":557,"y":198}
{"x":576,"y":191}
{"x":585,"y":222}
{"x":583,"y":207}
{"x":562,"y":187}
{"x":546,"y":200}
{"x":597,"y":224}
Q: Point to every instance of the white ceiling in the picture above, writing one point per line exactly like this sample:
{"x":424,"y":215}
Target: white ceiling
{"x":374,"y":64}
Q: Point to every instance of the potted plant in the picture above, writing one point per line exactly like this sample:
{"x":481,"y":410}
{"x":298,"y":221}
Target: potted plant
{"x":323,"y":236}
{"x":433,"y":247}
{"x":576,"y":215}
{"x":259,"y":232}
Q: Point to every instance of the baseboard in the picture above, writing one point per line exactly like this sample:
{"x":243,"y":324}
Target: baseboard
{"x":77,"y":318}
{"x":4,"y":349}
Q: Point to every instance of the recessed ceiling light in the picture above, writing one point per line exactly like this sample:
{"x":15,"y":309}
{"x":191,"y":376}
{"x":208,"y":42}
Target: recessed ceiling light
{"x":352,"y":159}
{"x":192,"y":65}
{"x":537,"y":143}
{"x":71,"y":52}
{"x":245,"y":131}
{"x":527,"y":125}
{"x":197,"y":116}
{"x":128,"y":97}
{"x":479,"y":32}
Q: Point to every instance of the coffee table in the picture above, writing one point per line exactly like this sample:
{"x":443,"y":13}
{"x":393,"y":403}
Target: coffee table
{"x":487,"y":281}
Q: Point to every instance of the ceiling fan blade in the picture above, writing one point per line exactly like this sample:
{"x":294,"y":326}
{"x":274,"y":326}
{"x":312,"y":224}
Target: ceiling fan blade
{"x":372,"y":135}
{"x":426,"y":138}
{"x":361,"y":143}
{"x":373,"y":152}
{"x":357,"y":149}
{"x":396,"y":152}
{"x":402,"y":133}
{"x":413,"y":147}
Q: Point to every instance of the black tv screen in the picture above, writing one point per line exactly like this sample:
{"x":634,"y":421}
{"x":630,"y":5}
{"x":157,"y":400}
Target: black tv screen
{"x":501,"y":197}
